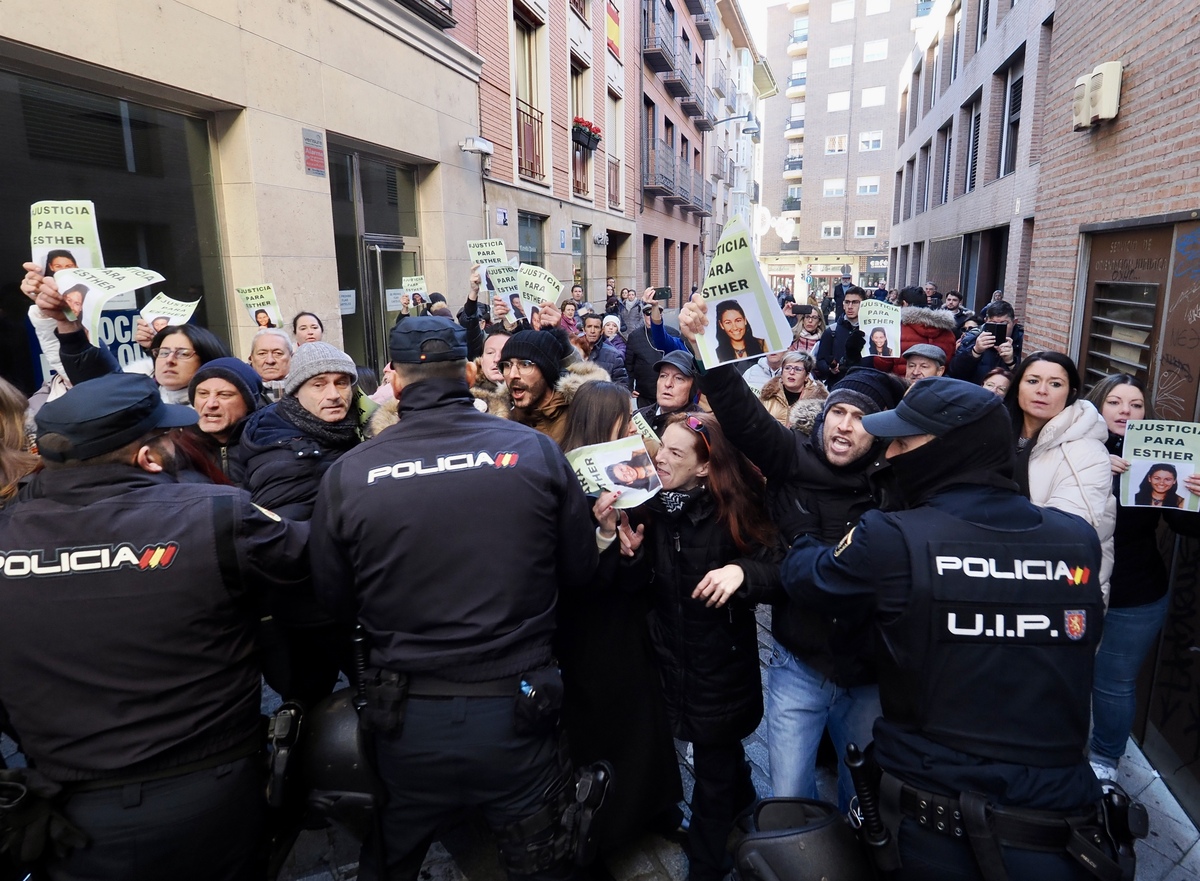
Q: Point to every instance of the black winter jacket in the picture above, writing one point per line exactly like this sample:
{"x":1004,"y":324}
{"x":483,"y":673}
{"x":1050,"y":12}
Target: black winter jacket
{"x":640,"y":358}
{"x":708,"y":657}
{"x":842,"y":344}
{"x":394,"y":538}
{"x":606,"y":355}
{"x":282,"y":466}
{"x":806,"y":496}
{"x":140,"y":656}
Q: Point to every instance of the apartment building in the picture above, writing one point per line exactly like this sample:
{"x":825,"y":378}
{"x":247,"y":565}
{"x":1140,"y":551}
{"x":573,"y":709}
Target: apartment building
{"x":739,"y":79}
{"x":314,"y":146}
{"x":829,"y":139}
{"x":558,"y":104}
{"x":968,"y":165}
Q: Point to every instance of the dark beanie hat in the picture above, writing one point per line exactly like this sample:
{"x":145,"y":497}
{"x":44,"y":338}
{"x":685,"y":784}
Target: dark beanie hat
{"x":241,"y":374}
{"x":871,"y":391}
{"x":541,"y":347}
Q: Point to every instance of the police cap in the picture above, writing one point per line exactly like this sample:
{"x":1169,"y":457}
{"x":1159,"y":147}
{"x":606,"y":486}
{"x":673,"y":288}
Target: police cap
{"x":427,"y":338}
{"x":936,"y":406}
{"x":105,"y":414}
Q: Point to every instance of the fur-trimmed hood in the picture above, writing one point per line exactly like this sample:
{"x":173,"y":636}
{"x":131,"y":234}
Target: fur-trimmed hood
{"x":942,"y":319}
{"x":803,"y":415}
{"x":576,"y":375}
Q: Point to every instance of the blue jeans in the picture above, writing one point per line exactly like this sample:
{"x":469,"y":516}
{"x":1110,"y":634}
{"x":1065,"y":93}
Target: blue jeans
{"x":1129,"y":634}
{"x":800,"y":704}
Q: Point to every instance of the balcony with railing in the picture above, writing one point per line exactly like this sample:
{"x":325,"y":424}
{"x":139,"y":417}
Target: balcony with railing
{"x":677,"y":82}
{"x":730,"y":173}
{"x":614,"y":182}
{"x":720,"y":160}
{"x":797,"y":85}
{"x":790,"y":203}
{"x":706,"y":121}
{"x":658,"y":41}
{"x":794,"y":128}
{"x":793,"y":167}
{"x":581,"y":170}
{"x":755,"y":192}
{"x":702,"y":196}
{"x":658,"y":168}
{"x":706,"y":21}
{"x":682,"y":196}
{"x":580,"y":7}
{"x":692,"y":103}
{"x":529,"y":141}
{"x":798,"y":44}
{"x":720,"y":78}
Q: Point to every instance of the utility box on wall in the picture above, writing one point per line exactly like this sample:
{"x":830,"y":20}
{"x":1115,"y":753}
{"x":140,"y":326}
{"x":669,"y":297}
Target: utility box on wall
{"x":1097,"y":96}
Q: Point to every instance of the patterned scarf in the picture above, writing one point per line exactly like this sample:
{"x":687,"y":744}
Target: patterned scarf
{"x":340,"y":435}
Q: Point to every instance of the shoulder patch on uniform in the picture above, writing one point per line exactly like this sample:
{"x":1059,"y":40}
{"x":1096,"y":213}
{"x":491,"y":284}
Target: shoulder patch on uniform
{"x":270,"y":514}
{"x":845,"y":542}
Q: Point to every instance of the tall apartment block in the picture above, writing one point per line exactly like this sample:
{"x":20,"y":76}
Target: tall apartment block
{"x":558,"y":101}
{"x":700,"y":68}
{"x":967,"y":170}
{"x":829,"y":139}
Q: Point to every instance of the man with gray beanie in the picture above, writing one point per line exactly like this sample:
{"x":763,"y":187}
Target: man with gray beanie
{"x":460,"y":639}
{"x":822,"y":671}
{"x":284,"y":451}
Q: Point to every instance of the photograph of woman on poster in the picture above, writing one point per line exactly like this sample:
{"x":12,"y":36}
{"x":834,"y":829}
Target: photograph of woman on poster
{"x":735,"y":337}
{"x":1158,"y":487}
{"x":878,"y":344}
{"x":263,"y":318}
{"x":637,"y":473}
{"x":59,"y":259}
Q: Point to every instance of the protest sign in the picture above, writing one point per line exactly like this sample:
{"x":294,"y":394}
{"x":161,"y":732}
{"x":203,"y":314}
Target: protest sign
{"x":744,"y":316}
{"x":64,"y":233}
{"x":645,"y":429}
{"x":538,"y":287}
{"x":88,"y":291}
{"x":415,"y":284}
{"x":880,"y":322}
{"x":262,"y":305}
{"x":487,"y":251}
{"x":500,"y":278}
{"x":163,"y":311}
{"x":623,"y":465}
{"x":1162,"y":455}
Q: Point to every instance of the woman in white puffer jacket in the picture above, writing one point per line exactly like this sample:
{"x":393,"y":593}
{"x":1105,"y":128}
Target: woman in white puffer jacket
{"x":1061,"y":458}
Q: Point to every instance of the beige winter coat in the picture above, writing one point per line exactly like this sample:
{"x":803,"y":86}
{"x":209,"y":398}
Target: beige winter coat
{"x":1069,"y":469}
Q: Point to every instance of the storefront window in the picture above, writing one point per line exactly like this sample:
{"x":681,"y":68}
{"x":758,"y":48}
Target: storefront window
{"x":149,"y":174}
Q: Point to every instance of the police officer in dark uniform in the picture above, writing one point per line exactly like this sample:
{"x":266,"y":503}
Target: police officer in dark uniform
{"x":988,"y":612}
{"x":127,"y":657}
{"x":462,"y":707}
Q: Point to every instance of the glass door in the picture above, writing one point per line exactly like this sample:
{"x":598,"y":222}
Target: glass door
{"x":387,"y":266}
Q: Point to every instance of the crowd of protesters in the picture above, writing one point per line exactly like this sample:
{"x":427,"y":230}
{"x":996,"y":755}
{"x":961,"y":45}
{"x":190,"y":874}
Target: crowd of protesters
{"x":753,"y":458}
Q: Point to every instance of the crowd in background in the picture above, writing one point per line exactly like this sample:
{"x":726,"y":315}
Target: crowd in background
{"x":751,"y":458}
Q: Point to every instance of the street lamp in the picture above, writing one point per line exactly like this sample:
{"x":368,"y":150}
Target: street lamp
{"x":751,"y":128}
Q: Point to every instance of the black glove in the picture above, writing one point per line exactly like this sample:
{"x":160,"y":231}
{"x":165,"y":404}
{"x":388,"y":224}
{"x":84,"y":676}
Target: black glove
{"x":854,"y":343}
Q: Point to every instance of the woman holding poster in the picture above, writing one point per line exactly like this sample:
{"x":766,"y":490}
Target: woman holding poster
{"x":1061,"y":459}
{"x":603,"y":646}
{"x":735,"y":337}
{"x":1137,"y":603}
{"x":705,"y":550}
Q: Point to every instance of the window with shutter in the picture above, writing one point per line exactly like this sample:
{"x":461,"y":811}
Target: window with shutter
{"x":1012,"y":123}
{"x":973,"y":148}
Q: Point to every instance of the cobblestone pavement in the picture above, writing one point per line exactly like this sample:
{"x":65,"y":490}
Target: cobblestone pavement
{"x":467,"y":853}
